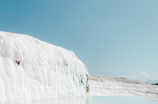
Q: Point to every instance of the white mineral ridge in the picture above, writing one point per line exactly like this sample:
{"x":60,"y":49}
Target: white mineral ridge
{"x":45,"y":71}
{"x":114,"y":86}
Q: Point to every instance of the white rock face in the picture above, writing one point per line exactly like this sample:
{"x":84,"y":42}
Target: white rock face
{"x":32,"y":70}
{"x":113,"y":86}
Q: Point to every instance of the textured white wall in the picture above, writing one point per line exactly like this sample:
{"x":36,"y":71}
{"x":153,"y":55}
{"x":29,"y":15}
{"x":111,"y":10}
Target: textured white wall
{"x":45,"y":71}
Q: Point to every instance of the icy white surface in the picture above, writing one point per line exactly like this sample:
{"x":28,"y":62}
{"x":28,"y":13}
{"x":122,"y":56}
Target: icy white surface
{"x":111,"y":86}
{"x":32,"y":70}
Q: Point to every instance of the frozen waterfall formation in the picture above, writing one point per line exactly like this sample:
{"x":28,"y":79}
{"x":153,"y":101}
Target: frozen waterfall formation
{"x":32,"y":70}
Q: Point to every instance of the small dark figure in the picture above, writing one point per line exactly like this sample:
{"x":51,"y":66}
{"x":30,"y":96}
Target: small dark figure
{"x":18,"y":62}
{"x":87,"y":89}
{"x":87,"y":77}
{"x":81,"y":81}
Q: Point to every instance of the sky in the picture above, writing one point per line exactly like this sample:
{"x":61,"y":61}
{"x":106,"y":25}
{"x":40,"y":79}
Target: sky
{"x":113,"y":38}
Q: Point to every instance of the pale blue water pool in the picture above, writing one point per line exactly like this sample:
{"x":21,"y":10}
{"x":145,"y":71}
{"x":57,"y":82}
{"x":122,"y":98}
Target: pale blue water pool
{"x":107,"y":100}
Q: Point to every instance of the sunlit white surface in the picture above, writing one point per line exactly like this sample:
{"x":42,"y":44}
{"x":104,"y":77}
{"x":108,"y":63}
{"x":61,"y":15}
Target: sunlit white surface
{"x":32,"y":71}
{"x":113,"y":86}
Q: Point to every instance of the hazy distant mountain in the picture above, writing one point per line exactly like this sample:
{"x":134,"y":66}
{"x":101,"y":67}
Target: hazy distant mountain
{"x":153,"y":81}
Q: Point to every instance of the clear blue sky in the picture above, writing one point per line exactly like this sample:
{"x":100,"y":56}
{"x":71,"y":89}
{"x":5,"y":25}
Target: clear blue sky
{"x":111,"y":37}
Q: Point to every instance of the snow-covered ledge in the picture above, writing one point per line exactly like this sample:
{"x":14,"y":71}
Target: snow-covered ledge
{"x":32,"y":70}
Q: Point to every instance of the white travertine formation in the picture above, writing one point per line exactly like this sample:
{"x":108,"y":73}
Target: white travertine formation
{"x":32,"y":70}
{"x":115,"y":86}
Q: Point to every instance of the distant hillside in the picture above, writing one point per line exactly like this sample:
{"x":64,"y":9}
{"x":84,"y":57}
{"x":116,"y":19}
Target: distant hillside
{"x":153,"y":82}
{"x":115,"y":86}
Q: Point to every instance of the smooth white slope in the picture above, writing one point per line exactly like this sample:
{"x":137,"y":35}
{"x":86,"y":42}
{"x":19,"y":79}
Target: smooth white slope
{"x":113,"y":86}
{"x":44,"y":72}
